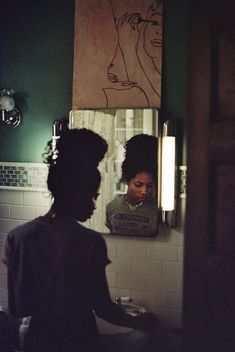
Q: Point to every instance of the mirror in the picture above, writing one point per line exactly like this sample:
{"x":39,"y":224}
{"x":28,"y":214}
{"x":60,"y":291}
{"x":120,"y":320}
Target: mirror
{"x":117,"y":127}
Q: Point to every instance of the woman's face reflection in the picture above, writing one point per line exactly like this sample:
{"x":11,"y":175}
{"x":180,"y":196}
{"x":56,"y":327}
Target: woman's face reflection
{"x":140,"y":187}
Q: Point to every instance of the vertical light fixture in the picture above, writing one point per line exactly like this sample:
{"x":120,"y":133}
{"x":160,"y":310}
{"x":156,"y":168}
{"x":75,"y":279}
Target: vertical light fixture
{"x":58,"y":127}
{"x":168,"y":171}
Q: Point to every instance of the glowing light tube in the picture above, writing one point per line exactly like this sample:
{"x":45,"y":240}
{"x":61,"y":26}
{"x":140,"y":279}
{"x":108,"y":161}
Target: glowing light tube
{"x":168,"y":173}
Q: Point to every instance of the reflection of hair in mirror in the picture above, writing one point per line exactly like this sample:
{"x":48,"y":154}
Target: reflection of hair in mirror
{"x":73,"y":178}
{"x":136,"y":213}
{"x":140,"y":156}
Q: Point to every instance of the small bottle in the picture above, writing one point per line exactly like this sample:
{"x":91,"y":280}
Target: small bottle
{"x":4,"y":324}
{"x":23,"y":331}
{"x":4,"y":331}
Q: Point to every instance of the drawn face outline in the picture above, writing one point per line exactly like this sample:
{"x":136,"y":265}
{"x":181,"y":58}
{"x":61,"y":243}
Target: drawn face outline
{"x":153,"y":30}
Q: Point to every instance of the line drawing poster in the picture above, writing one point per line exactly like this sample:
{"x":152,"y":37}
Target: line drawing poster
{"x":117,"y":54}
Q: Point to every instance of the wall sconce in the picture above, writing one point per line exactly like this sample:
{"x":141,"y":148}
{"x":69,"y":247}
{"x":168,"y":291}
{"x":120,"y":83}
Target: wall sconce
{"x":59,"y":125}
{"x":9,"y":115}
{"x":168,"y":172}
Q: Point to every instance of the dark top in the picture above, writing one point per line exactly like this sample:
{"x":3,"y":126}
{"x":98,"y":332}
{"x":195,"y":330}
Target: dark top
{"x":56,"y":270}
{"x":122,"y":219}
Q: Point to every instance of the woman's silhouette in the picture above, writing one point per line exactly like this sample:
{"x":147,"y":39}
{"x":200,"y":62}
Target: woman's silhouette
{"x":56,"y":266}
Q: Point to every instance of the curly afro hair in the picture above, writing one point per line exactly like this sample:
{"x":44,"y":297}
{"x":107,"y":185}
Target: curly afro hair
{"x":73,"y":177}
{"x":140,"y":155}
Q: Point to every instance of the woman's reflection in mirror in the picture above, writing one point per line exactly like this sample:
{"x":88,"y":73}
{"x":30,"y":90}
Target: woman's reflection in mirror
{"x":135,"y":213}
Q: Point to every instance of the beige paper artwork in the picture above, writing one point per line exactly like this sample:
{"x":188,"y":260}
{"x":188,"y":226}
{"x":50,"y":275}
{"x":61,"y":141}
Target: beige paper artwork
{"x":118,"y":54}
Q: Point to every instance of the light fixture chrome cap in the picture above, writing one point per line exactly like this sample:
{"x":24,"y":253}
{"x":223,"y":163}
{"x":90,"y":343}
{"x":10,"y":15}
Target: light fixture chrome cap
{"x":168,"y":128}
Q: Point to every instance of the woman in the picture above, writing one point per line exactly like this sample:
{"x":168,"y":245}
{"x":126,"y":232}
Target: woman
{"x":56,"y":266}
{"x":135,"y":213}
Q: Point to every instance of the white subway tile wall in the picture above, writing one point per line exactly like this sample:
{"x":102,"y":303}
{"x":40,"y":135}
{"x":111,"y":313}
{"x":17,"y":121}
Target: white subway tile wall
{"x":16,"y":208}
{"x":149,"y":270}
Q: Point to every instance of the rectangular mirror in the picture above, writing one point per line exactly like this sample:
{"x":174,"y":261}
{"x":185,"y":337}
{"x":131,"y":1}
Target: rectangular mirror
{"x":117,"y":127}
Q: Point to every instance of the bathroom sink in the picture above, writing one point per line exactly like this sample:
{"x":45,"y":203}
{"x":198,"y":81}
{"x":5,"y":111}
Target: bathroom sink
{"x":133,"y":309}
{"x":107,"y":328}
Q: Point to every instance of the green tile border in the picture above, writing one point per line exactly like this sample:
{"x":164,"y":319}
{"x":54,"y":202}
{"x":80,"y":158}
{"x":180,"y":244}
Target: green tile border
{"x":23,"y":176}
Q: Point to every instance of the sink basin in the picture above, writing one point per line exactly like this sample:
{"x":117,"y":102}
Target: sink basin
{"x":133,"y":309}
{"x":107,"y":328}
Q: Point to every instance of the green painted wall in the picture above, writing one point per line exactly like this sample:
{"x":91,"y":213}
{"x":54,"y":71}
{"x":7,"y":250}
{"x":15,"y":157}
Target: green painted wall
{"x":37,"y":61}
{"x":175,"y":70}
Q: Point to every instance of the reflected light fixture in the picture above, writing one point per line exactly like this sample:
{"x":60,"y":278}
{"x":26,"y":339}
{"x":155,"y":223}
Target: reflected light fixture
{"x":168,"y":170}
